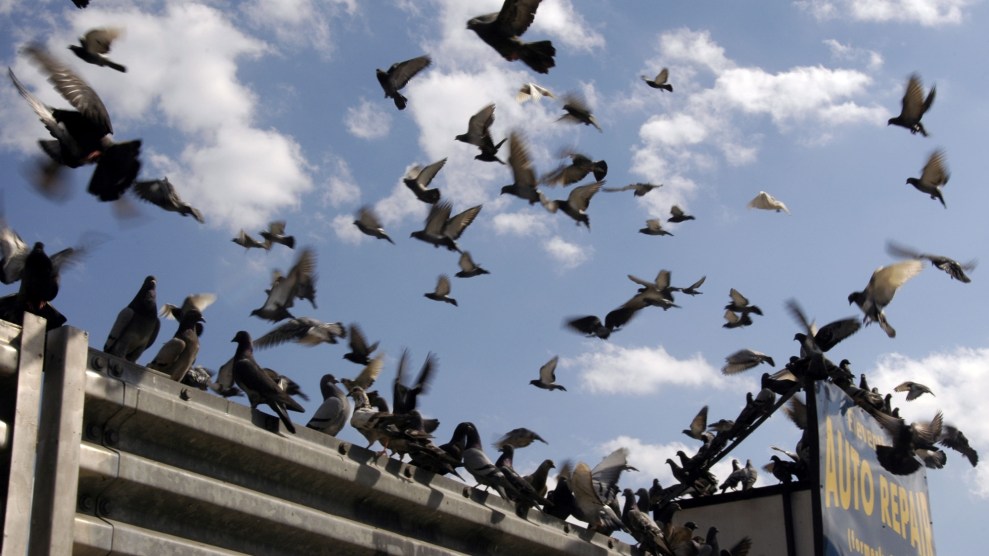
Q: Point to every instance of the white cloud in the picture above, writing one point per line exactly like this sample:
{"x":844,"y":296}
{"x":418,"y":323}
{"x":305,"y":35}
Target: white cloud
{"x":844,"y":52}
{"x":930,"y":13}
{"x":343,"y":227}
{"x":368,"y":120}
{"x":567,"y":255}
{"x":957,"y":379}
{"x":340,"y":188}
{"x":520,"y":223}
{"x":613,"y":369}
{"x":399,"y":206}
{"x":694,"y":48}
{"x":565,"y":25}
{"x":299,"y":22}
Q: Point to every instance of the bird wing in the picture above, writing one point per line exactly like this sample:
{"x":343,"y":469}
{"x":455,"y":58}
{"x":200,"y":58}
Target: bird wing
{"x":442,"y":286}
{"x":152,"y":191}
{"x":697,"y":284}
{"x":519,"y":160}
{"x":676,"y":211}
{"x":276,"y":228}
{"x":455,"y":227}
{"x":368,"y":218}
{"x":370,"y":372}
{"x":168,"y":354}
{"x":547,"y":373}
{"x":401,"y":72}
{"x":935,"y":172}
{"x":290,"y":330}
{"x":479,"y":123}
{"x":699,"y":423}
{"x":98,"y":41}
{"x":516,"y":16}
{"x":358,"y":342}
{"x":437,"y":218}
{"x":466,"y":263}
{"x":662,"y":76}
{"x":737,"y":298}
{"x":73,"y":88}
{"x":913,"y":99}
{"x":887,"y":279}
{"x":580,"y":198}
{"x":429,"y":172}
{"x":663,"y":280}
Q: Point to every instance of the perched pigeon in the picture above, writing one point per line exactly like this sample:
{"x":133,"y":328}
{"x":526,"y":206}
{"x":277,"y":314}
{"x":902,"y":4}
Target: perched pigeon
{"x":442,"y":229}
{"x":258,"y":384}
{"x":575,"y":205}
{"x":176,"y":356}
{"x":367,"y":222}
{"x":285,"y":289}
{"x":95,"y":44}
{"x":577,"y":112}
{"x":933,"y":177}
{"x":654,"y":227}
{"x":740,"y":476}
{"x":162,"y":193}
{"x":766,"y":201}
{"x":40,"y":276}
{"x":524,"y":184}
{"x":913,"y":389}
{"x":880,"y":290}
{"x":743,"y":360}
{"x":483,"y":470}
{"x":360,"y":351}
{"x":815,"y":341}
{"x":137,"y":324}
{"x":659,"y":82}
{"x":677,"y":215}
{"x":247,"y":242}
{"x":276,"y":234}
{"x":954,"y":269}
{"x":442,"y":291}
{"x":914,"y":106}
{"x":302,"y":330}
{"x":398,"y":75}
{"x":333,"y":413}
{"x":547,"y":376}
{"x":417,"y":179}
{"x":527,"y":496}
{"x":501,"y":31}
{"x":532,"y":91}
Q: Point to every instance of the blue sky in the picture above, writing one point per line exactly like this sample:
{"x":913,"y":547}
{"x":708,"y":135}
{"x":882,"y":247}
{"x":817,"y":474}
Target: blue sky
{"x":270,"y":110}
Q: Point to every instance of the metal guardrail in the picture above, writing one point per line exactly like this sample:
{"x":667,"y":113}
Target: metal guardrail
{"x":131,"y":462}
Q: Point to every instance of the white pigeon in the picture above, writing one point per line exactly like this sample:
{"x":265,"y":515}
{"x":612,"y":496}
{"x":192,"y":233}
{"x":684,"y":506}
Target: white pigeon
{"x":766,"y":201}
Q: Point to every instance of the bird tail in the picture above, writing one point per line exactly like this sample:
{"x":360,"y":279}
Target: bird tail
{"x":400,"y":100}
{"x":600,"y":170}
{"x":666,"y":86}
{"x":283,"y":415}
{"x":887,"y":328}
{"x":538,"y":55}
{"x":116,"y":66}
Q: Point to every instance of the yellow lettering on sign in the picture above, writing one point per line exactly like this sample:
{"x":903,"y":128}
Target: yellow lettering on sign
{"x":868,"y":492}
{"x":884,"y":500}
{"x":830,"y":467}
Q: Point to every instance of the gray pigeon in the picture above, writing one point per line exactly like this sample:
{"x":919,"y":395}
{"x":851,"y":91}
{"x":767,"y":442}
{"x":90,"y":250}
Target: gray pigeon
{"x":547,"y":376}
{"x":398,"y":75}
{"x":933,"y":177}
{"x":285,"y":289}
{"x":659,"y":82}
{"x":576,"y":204}
{"x":442,"y":229}
{"x":367,"y":222}
{"x":176,"y":356}
{"x":483,"y":470}
{"x":333,"y":413}
{"x":302,"y":330}
{"x":954,"y":269}
{"x":913,"y":106}
{"x":654,"y":227}
{"x":913,"y":389}
{"x":577,"y":112}
{"x":417,"y":179}
{"x":95,"y":44}
{"x":524,"y":184}
{"x":501,"y":30}
{"x":137,"y":324}
{"x":247,"y":242}
{"x":637,"y":189}
{"x":162,"y":193}
{"x":743,"y":360}
{"x":442,"y":291}
{"x":468,"y":268}
{"x":276,"y":234}
{"x":360,"y":351}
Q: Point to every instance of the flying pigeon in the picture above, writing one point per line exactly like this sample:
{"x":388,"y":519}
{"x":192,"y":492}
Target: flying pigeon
{"x":197,"y":301}
{"x":577,"y":112}
{"x":176,"y":356}
{"x":468,"y":269}
{"x":914,"y":106}
{"x":698,"y":426}
{"x":692,"y":289}
{"x":276,"y":234}
{"x":766,"y":201}
{"x":580,"y":166}
{"x":398,"y":75}
{"x":524,"y":184}
{"x":913,"y":389}
{"x":162,"y":193}
{"x":137,"y":324}
{"x":302,"y":330}
{"x":740,"y":304}
{"x":285,"y":289}
{"x":258,"y":384}
{"x":677,"y":215}
{"x":576,"y":204}
{"x":637,"y":189}
{"x":367,"y":222}
{"x":933,"y":177}
{"x":417,"y":179}
{"x":654,"y":227}
{"x":589,"y":325}
{"x":745,"y":359}
{"x":954,"y":269}
{"x":479,"y":134}
{"x":532,"y":91}
{"x":405,"y":399}
{"x":501,"y":31}
{"x":518,"y":438}
{"x":95,"y":44}
{"x":880,"y":290}
{"x":247,"y":242}
{"x":442,"y":229}
{"x":547,"y":376}
{"x":659,"y":82}
{"x":442,"y":291}
{"x":360,"y":351}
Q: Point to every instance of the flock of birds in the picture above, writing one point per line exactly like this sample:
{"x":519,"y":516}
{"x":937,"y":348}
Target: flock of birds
{"x":82,"y":136}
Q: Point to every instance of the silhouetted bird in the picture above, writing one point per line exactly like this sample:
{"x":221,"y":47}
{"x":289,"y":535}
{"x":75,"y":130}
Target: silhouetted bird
{"x":258,"y":384}
{"x":580,"y":165}
{"x":589,"y":326}
{"x":654,"y":227}
{"x":900,"y":458}
{"x":933,"y":177}
{"x":442,"y":291}
{"x":137,"y":324}
{"x":95,"y":44}
{"x":951,"y":266}
{"x":479,"y":134}
{"x":638,"y":189}
{"x":913,"y":389}
{"x":162,"y":193}
{"x":577,"y":112}
{"x":501,"y":30}
{"x":914,"y":106}
{"x":417,"y":179}
{"x":360,"y":351}
{"x":736,"y":321}
{"x":468,"y":268}
{"x":285,"y":289}
{"x":276,"y":234}
{"x":442,"y":229}
{"x":524,"y":185}
{"x":518,"y":438}
{"x":398,"y":75}
{"x":740,"y":303}
{"x":659,"y":82}
{"x":302,"y":330}
{"x":692,"y":289}
{"x":677,"y":215}
{"x":576,"y":204}
{"x":955,"y":439}
{"x":247,"y":242}
{"x":547,"y":376}
{"x":745,"y":359}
